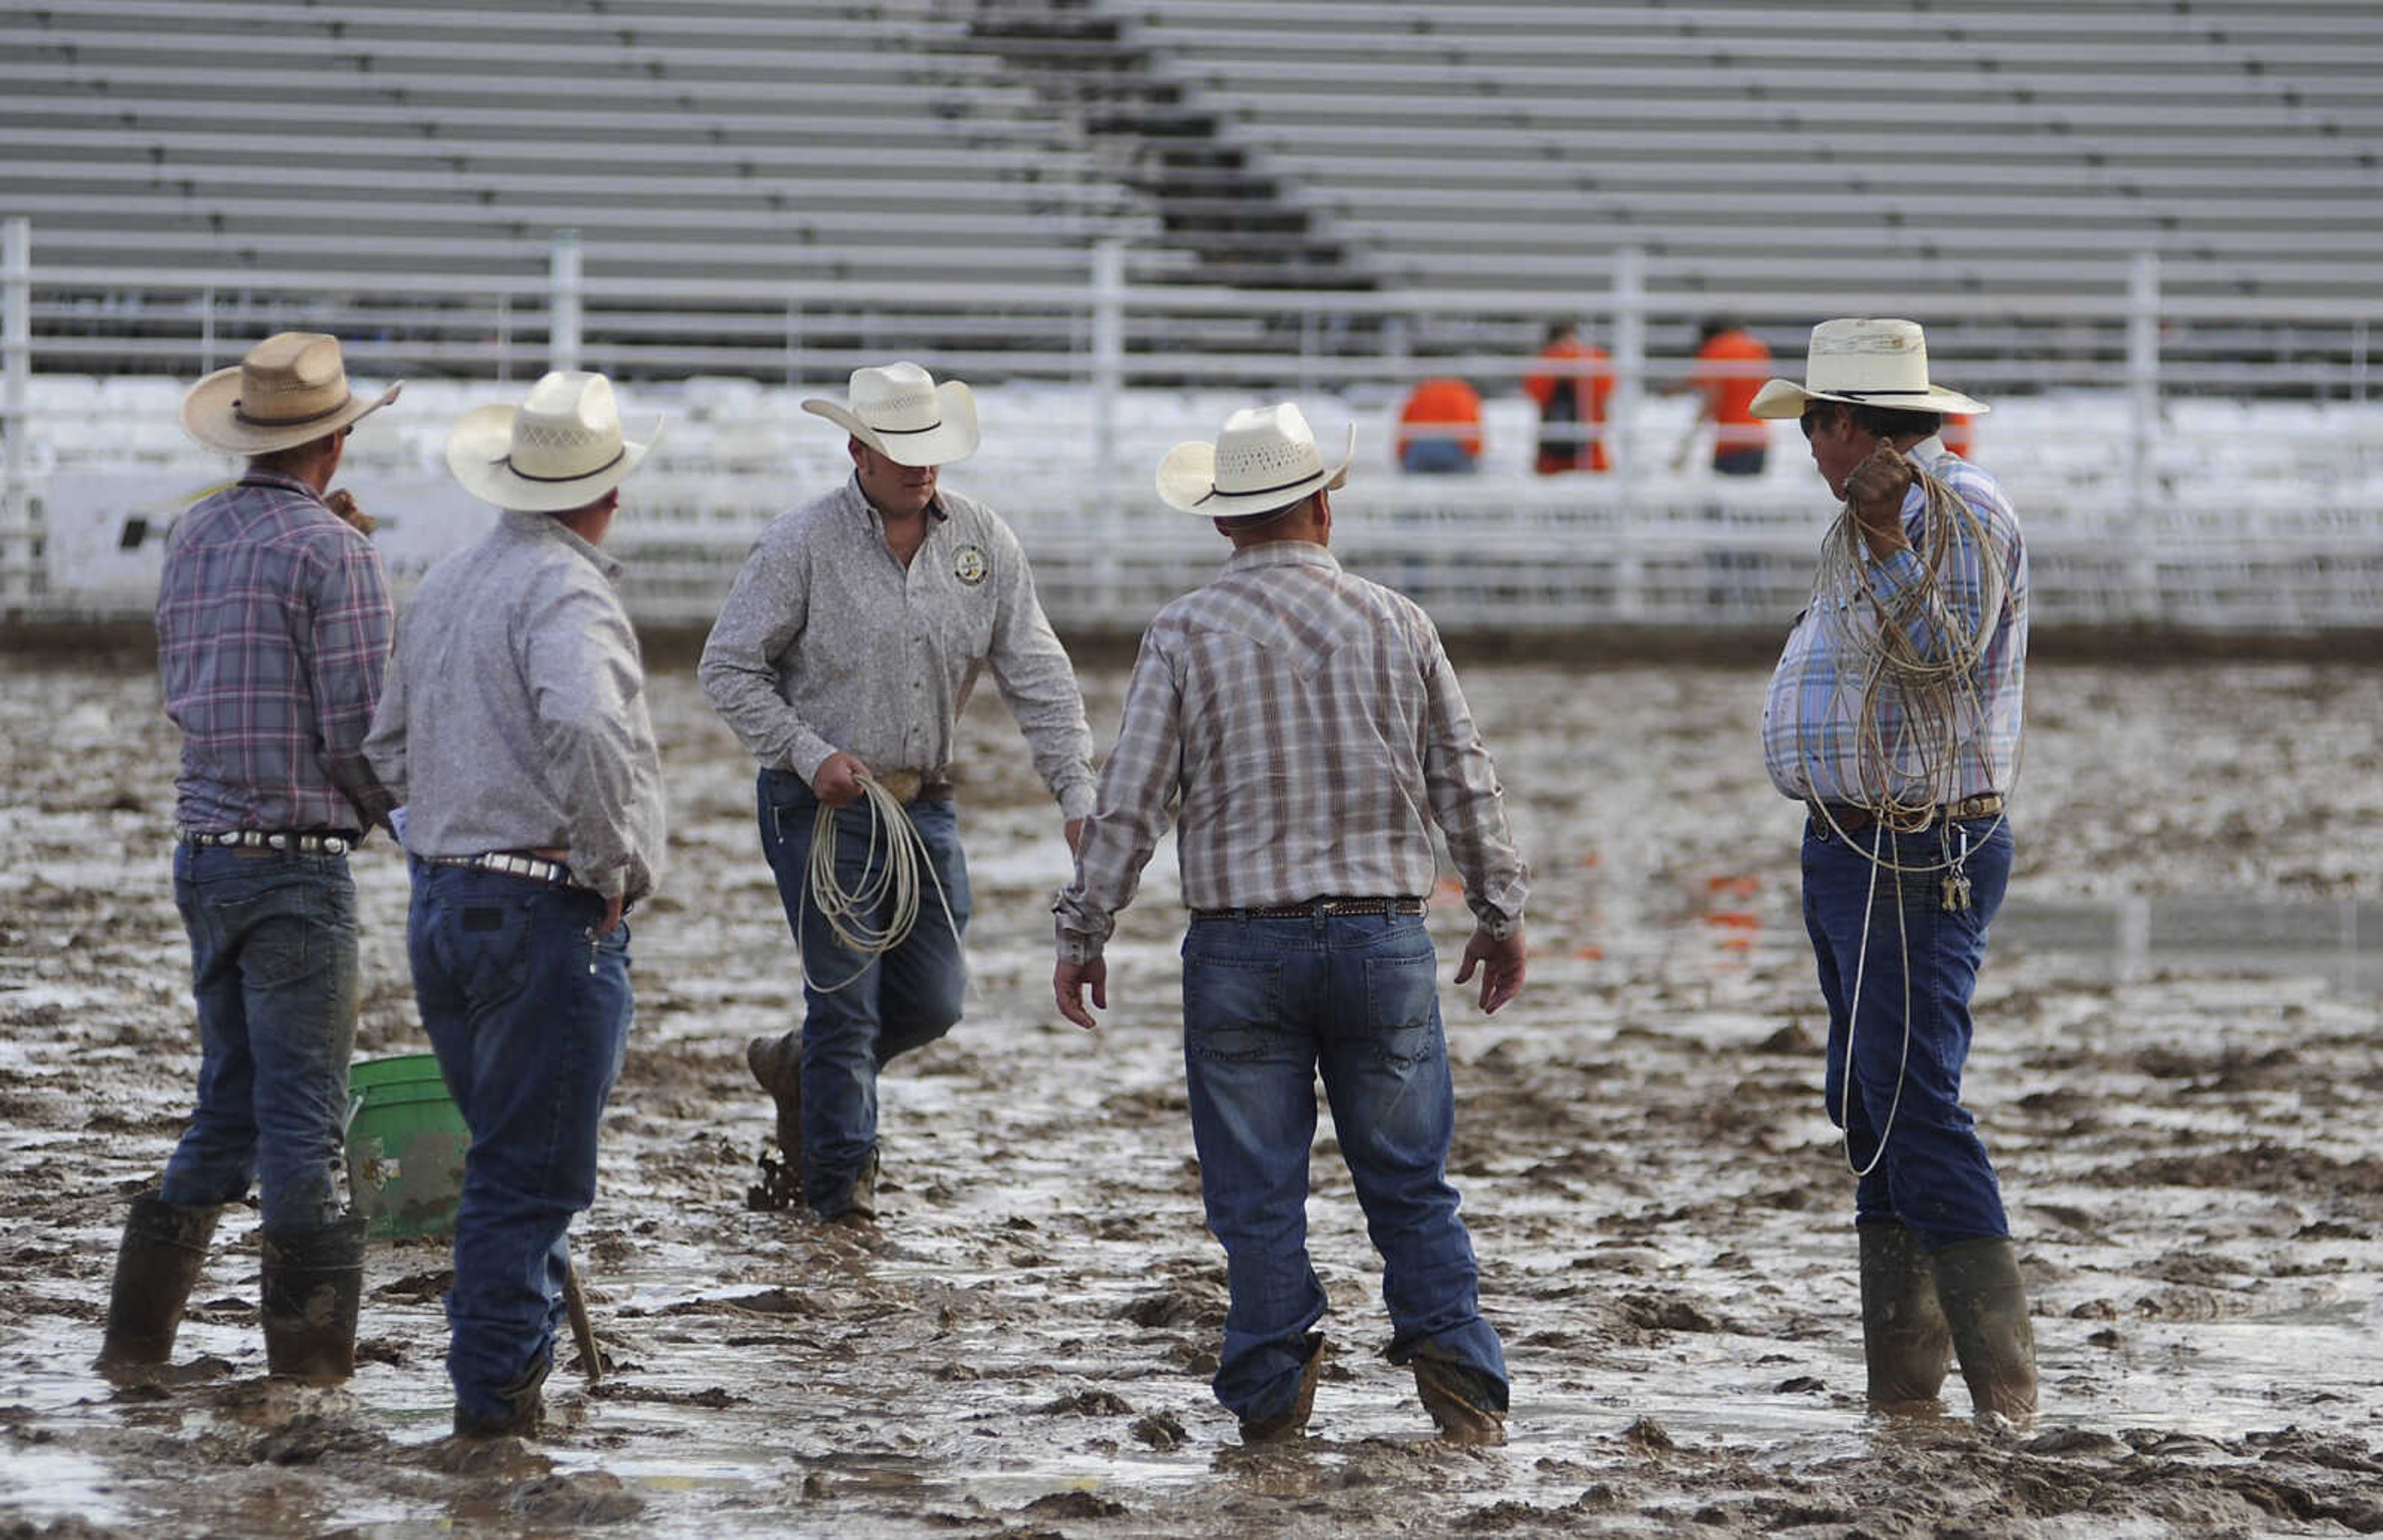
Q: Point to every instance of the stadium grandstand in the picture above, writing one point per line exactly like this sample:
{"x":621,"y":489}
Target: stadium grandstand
{"x":2157,"y":218}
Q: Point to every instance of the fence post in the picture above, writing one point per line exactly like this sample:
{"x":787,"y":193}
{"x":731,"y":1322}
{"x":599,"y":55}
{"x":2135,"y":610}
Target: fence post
{"x":2143,"y":404}
{"x":1629,"y":374}
{"x":18,"y":537}
{"x":1108,"y":387}
{"x":563,"y":302}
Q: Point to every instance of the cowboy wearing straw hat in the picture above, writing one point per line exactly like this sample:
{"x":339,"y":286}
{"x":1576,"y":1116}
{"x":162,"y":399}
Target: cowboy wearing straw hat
{"x":842,"y":658}
{"x":1894,"y":714}
{"x":1301,"y":719}
{"x":515,"y":729}
{"x":273,"y":627}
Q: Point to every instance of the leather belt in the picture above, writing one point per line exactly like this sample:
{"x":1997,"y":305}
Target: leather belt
{"x":295,"y":841}
{"x":909,"y":786}
{"x":1857,"y":821}
{"x":1326,"y":907}
{"x":506,"y":863}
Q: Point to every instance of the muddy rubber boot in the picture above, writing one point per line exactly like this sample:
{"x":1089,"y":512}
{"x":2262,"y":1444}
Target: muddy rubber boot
{"x":1904,"y":1340}
{"x":314,"y":1281}
{"x":1287,"y":1428}
{"x":525,"y":1416}
{"x":1985,"y":1308}
{"x":156,"y":1267}
{"x":1469,"y":1406}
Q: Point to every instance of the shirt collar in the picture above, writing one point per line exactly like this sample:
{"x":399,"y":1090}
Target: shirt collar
{"x":1281,"y":553}
{"x":1928,"y":450}
{"x":859,"y":501}
{"x":280,"y":480}
{"x":545,"y":527}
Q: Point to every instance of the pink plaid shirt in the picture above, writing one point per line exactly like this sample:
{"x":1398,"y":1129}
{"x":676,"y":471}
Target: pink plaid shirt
{"x":1304,"y":729}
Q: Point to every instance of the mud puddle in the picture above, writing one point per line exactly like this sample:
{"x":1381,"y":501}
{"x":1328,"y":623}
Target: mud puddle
{"x":1021,"y":1346}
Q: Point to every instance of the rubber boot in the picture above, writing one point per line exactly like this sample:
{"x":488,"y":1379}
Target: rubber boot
{"x":1985,"y":1307}
{"x":524,"y":1416}
{"x":314,"y":1281}
{"x":1904,"y":1340}
{"x":156,"y":1267}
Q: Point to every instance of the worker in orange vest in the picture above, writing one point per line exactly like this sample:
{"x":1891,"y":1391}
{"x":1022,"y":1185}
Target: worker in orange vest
{"x":1439,"y":427}
{"x":1572,"y":394}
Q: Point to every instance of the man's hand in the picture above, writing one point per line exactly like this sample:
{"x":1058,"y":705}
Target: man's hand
{"x":1074,"y":830}
{"x":350,"y":512}
{"x":838,"y":780}
{"x":1876,"y":489}
{"x":1502,"y":966}
{"x":613,"y":907}
{"x":1068,"y":981}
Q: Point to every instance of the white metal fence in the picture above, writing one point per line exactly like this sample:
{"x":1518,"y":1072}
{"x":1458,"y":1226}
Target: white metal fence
{"x":2178,"y":461}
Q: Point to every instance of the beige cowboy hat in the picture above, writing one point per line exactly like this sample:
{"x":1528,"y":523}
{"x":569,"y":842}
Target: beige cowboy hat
{"x":1864,"y":362}
{"x":290,"y":389}
{"x":1265,"y":459}
{"x":901,"y":412}
{"x":561,"y":449}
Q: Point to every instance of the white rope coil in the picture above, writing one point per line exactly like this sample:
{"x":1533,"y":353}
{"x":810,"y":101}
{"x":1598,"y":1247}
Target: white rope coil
{"x":896,"y":853}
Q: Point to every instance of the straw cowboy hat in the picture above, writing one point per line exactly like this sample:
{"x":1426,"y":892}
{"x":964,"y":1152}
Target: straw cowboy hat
{"x":290,"y":389}
{"x":901,"y":412}
{"x":1265,"y":459}
{"x":1864,"y":362}
{"x":561,"y":449}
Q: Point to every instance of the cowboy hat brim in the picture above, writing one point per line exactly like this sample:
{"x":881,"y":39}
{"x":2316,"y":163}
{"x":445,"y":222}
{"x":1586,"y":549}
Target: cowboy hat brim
{"x":955,"y":437}
{"x":210,"y":415}
{"x":479,"y":454}
{"x":1187,"y":479}
{"x":1784,"y":398}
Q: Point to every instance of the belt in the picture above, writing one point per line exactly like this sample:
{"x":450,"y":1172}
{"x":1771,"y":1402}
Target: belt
{"x":505,"y":863}
{"x":1313,"y":907}
{"x":270,"y":839}
{"x":909,"y":786}
{"x":1857,"y":821}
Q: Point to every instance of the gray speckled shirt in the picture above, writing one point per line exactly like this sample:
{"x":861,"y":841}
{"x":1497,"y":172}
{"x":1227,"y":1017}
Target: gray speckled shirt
{"x":827,"y":643}
{"x":513,"y":715}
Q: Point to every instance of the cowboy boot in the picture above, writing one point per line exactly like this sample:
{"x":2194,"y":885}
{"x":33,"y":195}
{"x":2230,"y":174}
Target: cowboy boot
{"x":524,"y":1416}
{"x":860,"y":1206}
{"x":1285,"y":1427}
{"x":1985,"y":1308}
{"x":1904,"y":1340}
{"x":314,"y":1283}
{"x":777,"y":1065}
{"x":1469,"y":1406}
{"x":156,"y":1267}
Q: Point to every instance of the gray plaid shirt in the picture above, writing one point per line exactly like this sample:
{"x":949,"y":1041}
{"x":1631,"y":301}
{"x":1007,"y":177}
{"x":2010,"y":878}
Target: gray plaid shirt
{"x":1310,"y":729}
{"x":826,"y":642}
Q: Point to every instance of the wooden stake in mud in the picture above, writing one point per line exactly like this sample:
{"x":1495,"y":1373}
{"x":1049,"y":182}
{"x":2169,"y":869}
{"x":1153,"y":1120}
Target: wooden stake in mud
{"x":582,"y":1332}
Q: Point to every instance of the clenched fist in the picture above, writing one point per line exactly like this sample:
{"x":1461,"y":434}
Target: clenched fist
{"x":1876,"y":489}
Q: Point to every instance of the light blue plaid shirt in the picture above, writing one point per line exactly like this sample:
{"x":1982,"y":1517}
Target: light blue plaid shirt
{"x":1811,"y":731}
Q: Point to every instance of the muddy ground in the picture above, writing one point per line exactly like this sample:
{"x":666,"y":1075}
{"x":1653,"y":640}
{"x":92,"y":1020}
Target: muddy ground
{"x":2184,"y":1110}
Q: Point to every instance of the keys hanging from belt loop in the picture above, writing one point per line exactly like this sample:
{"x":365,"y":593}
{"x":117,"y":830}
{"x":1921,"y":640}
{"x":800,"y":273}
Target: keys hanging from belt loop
{"x":1957,"y":878}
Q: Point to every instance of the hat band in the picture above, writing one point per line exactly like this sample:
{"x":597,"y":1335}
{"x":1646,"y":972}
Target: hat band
{"x":1864,"y":395}
{"x":929,"y":428}
{"x":241,"y":412}
{"x":1257,"y":492}
{"x":507,"y":462}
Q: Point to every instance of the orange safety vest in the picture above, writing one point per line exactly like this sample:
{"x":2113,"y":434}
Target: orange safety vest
{"x":1560,"y":408}
{"x":1731,"y":367}
{"x":1435,"y":406}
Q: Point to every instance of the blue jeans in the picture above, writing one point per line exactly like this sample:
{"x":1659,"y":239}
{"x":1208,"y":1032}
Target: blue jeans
{"x":528,"y":1010}
{"x":1436,"y":457}
{"x":1935,"y":1178}
{"x":1267,"y":1004}
{"x":860,"y":1013}
{"x":273,"y":967}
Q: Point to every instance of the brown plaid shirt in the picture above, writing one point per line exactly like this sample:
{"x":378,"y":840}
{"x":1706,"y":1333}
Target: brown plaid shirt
{"x":1304,"y":729}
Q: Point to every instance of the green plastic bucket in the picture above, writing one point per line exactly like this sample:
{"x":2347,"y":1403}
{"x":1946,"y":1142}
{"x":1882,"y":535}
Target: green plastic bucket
{"x":405,"y":1147}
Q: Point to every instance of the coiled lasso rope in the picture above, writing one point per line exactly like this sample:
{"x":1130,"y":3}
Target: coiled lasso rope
{"x":895,"y":854}
{"x":1903,"y":780}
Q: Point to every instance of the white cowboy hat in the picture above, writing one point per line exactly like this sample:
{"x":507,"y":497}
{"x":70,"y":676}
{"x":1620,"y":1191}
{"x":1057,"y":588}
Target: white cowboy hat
{"x":1864,"y":362}
{"x":1265,"y":459}
{"x":290,"y":389}
{"x":561,"y":449}
{"x":901,"y":412}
